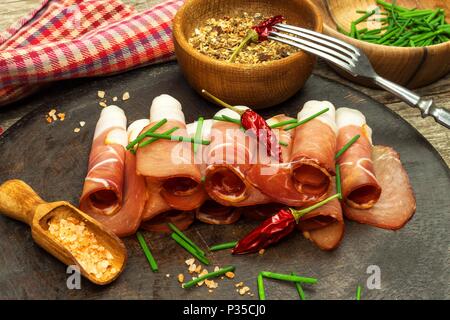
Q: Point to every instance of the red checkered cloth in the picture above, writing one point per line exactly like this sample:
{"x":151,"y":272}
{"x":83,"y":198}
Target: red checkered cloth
{"x":65,"y":39}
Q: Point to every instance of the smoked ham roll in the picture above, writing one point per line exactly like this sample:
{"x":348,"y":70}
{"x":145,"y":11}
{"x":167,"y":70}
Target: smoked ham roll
{"x":103,"y":187}
{"x":167,"y":165}
{"x":313,"y":150}
{"x":126,"y":221}
{"x":229,"y":156}
{"x":324,"y":226}
{"x":360,"y":187}
{"x":397,"y":202}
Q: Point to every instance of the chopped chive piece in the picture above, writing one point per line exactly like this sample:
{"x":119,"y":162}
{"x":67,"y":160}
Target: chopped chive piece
{"x":149,"y":141}
{"x":299,"y":123}
{"x":189,"y":248}
{"x":223,"y":246}
{"x":177,"y":138}
{"x":198,"y":133}
{"x":217,"y":273}
{"x":147,"y":252}
{"x":299,"y":288}
{"x":142,"y":136}
{"x":261,"y":292}
{"x":185,"y":238}
{"x":227,"y":119}
{"x":282,"y":143}
{"x":300,"y":213}
{"x":283,"y":123}
{"x":338,"y":181}
{"x":287,"y":277}
{"x":364,"y":17}
{"x":358,"y":293}
{"x":346,"y":146}
{"x":203,"y":179}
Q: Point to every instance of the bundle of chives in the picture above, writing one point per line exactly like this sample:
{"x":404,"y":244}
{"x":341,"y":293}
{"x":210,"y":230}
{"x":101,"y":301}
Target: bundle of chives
{"x":402,"y":26}
{"x":147,"y":252}
{"x":177,"y":138}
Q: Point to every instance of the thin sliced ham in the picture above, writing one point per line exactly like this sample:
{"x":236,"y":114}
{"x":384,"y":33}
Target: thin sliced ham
{"x":103,"y":187}
{"x":276,"y":180}
{"x":171,"y":163}
{"x":212,"y":212}
{"x":229,"y":156}
{"x":324,"y":226}
{"x":313,"y":150}
{"x":181,"y":219}
{"x":397,"y":202}
{"x":360,"y":187}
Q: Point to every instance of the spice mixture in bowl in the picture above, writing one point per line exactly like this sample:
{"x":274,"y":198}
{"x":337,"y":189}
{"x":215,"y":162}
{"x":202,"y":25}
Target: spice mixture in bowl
{"x":218,"y":38}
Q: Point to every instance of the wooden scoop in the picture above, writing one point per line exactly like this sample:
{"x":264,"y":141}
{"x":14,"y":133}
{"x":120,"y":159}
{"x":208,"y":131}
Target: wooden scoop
{"x":19,"y":201}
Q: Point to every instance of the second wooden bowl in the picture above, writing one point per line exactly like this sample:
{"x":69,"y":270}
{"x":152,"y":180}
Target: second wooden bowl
{"x":410,"y":67}
{"x":254,"y":85}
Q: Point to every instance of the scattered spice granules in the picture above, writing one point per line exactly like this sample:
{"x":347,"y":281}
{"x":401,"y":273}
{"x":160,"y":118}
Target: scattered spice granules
{"x":53,"y":116}
{"x":83,"y":244}
{"x":217,"y":38}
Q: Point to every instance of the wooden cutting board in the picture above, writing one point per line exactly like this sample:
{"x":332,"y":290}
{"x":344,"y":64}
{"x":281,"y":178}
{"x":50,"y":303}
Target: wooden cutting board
{"x":53,"y":160}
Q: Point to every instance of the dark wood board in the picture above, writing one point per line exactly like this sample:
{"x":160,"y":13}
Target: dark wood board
{"x":52,"y":158}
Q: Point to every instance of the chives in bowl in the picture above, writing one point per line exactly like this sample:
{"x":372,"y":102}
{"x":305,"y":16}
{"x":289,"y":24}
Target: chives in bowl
{"x":400,"y":26}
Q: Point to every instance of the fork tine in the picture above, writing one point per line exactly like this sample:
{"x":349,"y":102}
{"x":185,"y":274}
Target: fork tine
{"x":319,"y":53}
{"x":315,"y":46}
{"x":320,"y":35}
{"x":330,"y":44}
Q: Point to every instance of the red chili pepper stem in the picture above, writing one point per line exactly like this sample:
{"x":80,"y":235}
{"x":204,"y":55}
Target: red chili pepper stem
{"x":251,"y":36}
{"x":300,"y":213}
{"x":223,"y":103}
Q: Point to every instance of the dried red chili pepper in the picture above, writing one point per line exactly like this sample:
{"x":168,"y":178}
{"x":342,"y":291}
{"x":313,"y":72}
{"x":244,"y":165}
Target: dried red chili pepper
{"x":1,"y":131}
{"x":274,"y":229}
{"x":257,"y":33}
{"x":257,"y":126}
{"x":263,"y":28}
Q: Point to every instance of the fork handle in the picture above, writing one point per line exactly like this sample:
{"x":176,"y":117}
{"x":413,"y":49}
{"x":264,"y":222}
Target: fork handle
{"x":426,"y":106}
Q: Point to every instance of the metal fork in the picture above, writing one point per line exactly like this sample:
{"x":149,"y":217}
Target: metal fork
{"x":355,"y":62}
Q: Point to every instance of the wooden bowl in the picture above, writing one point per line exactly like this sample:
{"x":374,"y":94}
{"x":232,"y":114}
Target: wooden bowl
{"x":254,"y":85}
{"x":410,"y":67}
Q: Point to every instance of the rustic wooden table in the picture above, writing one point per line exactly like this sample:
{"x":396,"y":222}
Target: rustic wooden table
{"x":11,"y":10}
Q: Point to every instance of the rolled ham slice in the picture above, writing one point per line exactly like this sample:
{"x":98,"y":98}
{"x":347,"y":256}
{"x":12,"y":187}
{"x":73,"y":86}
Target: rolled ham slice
{"x":229,"y":156}
{"x":103,"y":187}
{"x":126,"y":221}
{"x":181,"y":219}
{"x":397,"y":202}
{"x":313,"y":150}
{"x":325,"y":225}
{"x":169,"y":165}
{"x":360,"y":188}
{"x":276,"y":180}
{"x":212,"y":212}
